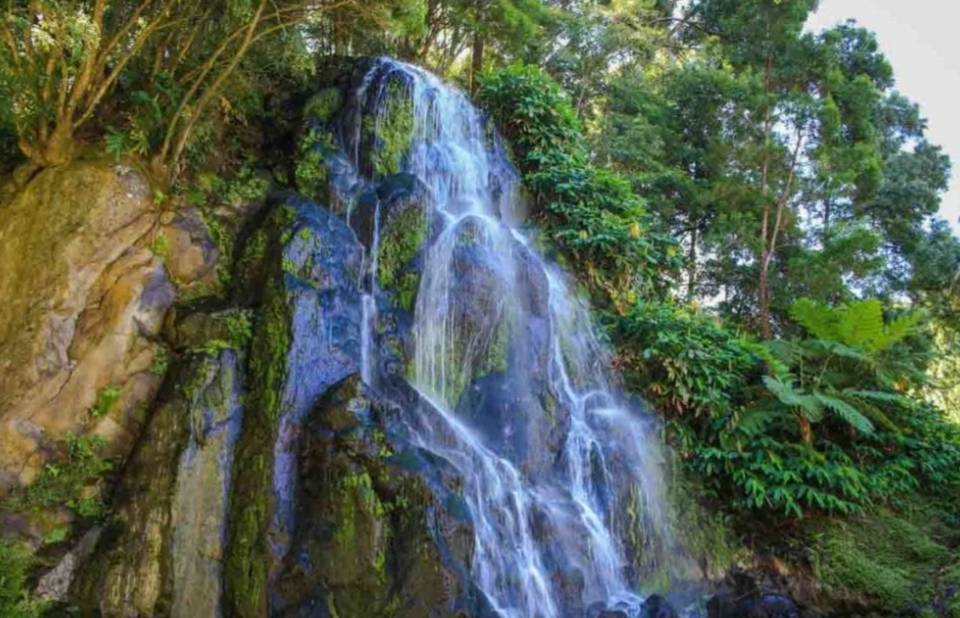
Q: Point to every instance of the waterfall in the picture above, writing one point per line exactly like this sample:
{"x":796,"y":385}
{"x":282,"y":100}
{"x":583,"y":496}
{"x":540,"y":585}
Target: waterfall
{"x":557,"y":467}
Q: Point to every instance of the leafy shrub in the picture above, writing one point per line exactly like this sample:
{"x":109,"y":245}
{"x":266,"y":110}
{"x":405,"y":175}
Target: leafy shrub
{"x":591,"y":215}
{"x":15,"y":601}
{"x":685,"y":362}
{"x":818,"y":424}
{"x":69,"y":481}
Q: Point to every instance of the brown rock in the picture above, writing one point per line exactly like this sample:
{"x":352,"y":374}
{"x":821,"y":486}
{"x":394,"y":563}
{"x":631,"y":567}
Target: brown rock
{"x":190,"y":253}
{"x":81,"y":305}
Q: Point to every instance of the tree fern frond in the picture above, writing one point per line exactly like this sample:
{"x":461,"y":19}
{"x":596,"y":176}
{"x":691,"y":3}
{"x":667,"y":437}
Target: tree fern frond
{"x":790,"y":397}
{"x":757,"y":421}
{"x":845,"y":411}
{"x":860,"y":324}
{"x":897,"y":329}
{"x":874,"y":413}
{"x":820,"y":320}
{"x":884,"y":396}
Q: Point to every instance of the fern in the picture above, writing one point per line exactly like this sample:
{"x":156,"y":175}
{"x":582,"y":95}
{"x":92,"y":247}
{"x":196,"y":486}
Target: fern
{"x":845,"y":411}
{"x":860,"y":324}
{"x":816,"y":318}
{"x":790,"y":397}
{"x":898,"y":329}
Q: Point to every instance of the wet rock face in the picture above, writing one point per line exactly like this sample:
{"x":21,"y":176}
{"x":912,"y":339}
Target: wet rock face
{"x":300,"y":274}
{"x":161,"y":553}
{"x":363,"y":543}
{"x":655,"y":606}
{"x":82,"y":303}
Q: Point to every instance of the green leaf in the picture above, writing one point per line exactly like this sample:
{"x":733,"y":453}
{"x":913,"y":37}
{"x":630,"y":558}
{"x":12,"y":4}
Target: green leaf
{"x":845,"y":411}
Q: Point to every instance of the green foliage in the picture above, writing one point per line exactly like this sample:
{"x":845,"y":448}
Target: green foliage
{"x":856,"y":325}
{"x":15,"y":601}
{"x":685,"y":362}
{"x":69,"y":481}
{"x":768,"y":427}
{"x":106,"y":397}
{"x":590,"y":214}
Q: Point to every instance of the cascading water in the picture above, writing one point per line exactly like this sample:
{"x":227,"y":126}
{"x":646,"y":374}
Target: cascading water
{"x":556,"y":468}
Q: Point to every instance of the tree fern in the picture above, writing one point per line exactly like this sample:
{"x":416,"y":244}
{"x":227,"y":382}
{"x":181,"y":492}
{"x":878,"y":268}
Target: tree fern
{"x":860,"y":324}
{"x":818,"y":319}
{"x":857,"y":325}
{"x":847,"y":412}
{"x":808,"y":405}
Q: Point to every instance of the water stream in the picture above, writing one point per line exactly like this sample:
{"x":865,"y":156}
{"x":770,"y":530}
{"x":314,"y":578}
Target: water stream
{"x":557,"y":468}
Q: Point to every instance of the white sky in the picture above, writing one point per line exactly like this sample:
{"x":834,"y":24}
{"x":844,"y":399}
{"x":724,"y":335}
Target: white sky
{"x":921,"y":41}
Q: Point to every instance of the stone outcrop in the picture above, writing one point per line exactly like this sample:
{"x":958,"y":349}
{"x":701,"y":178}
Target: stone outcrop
{"x":83,"y":301}
{"x":162,"y":550}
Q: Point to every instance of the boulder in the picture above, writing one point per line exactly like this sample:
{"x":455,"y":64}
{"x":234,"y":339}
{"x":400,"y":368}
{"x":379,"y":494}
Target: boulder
{"x":186,"y":246}
{"x":754,"y":604}
{"x":655,"y":606}
{"x":82,"y":304}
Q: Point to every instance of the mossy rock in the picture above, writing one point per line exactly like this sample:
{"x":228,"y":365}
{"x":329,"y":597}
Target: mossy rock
{"x":362,"y":543}
{"x":303,"y":266}
{"x":387,"y":130}
{"x":885,"y":562}
{"x":400,"y":242}
{"x":133,"y":557}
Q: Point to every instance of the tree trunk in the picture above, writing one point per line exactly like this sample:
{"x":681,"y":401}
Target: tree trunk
{"x":692,"y":279}
{"x":763,"y":299}
{"x":476,"y":65}
{"x":57,"y":149}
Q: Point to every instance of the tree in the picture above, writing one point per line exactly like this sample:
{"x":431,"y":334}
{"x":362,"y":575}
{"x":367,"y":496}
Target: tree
{"x":63,"y":58}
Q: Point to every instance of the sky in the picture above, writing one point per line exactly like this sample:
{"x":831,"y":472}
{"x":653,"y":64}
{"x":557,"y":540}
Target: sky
{"x":921,"y":40}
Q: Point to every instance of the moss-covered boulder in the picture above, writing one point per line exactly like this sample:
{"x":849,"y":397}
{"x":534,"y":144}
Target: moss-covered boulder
{"x":300,"y":272}
{"x":363,"y":544}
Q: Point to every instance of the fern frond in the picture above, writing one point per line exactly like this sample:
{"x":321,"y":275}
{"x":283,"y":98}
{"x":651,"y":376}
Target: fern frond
{"x":897,"y":329}
{"x":790,"y":397}
{"x":884,"y":396}
{"x":874,"y":413}
{"x":757,"y":421}
{"x":819,"y":319}
{"x":845,"y":411}
{"x":860,"y":324}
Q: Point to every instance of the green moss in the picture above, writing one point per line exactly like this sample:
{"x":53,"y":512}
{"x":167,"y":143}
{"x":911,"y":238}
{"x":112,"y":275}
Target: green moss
{"x":310,"y":170}
{"x":161,"y":361}
{"x":885,"y":557}
{"x":398,"y":246}
{"x":68,"y":479}
{"x":15,"y":599}
{"x":323,"y":105}
{"x":106,"y":397}
{"x":392,"y":131}
{"x":235,"y":331}
{"x":247,"y":562}
{"x":160,"y":247}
